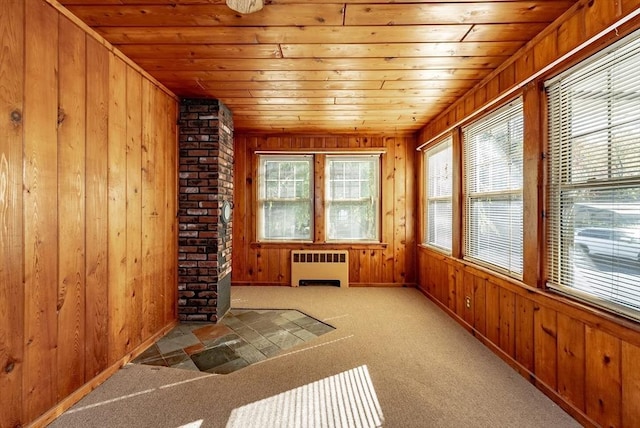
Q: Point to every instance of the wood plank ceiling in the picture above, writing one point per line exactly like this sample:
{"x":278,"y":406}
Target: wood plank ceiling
{"x":321,"y":66}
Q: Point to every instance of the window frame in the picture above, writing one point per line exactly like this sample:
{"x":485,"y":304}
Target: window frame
{"x":563,"y":224}
{"x":375,"y":198}
{"x":436,"y":149}
{"x":513,"y":109}
{"x":261,"y":197}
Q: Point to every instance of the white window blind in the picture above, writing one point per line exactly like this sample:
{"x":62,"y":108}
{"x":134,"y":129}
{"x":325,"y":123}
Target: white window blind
{"x":594,"y":179}
{"x":352,"y":198}
{"x":493,"y":161}
{"x":284,"y":198}
{"x":439,"y":185}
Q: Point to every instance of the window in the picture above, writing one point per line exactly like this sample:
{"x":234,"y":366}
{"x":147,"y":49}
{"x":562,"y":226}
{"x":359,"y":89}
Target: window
{"x":284,"y":198}
{"x":594,"y":179}
{"x":352,"y":198}
{"x":493,"y":161}
{"x":439,"y":185}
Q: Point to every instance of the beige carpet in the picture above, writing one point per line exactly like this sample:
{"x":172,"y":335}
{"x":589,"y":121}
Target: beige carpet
{"x":394,"y":360}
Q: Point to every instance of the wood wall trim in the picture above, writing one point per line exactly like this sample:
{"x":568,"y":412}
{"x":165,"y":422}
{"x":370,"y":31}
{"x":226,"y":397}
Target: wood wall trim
{"x":50,"y":415}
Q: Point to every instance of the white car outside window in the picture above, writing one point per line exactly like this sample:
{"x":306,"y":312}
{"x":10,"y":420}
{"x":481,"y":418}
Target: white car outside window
{"x":623,"y":243}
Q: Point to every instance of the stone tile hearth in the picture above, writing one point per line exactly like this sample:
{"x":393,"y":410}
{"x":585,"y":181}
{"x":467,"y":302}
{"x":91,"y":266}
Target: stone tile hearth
{"x":242,"y":338}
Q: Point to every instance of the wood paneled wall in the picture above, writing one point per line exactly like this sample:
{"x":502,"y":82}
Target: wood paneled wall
{"x":586,"y":359}
{"x":392,"y":262}
{"x":87,"y":196}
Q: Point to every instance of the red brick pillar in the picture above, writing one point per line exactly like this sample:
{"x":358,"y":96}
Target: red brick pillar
{"x":206,"y":185}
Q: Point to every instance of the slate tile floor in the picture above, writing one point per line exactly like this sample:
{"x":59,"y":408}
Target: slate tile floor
{"x":243,"y":337}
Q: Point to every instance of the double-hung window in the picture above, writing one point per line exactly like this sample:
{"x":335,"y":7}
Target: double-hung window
{"x":493,"y":160}
{"x":285,"y":198}
{"x":439,"y":185}
{"x":352,"y":198}
{"x":593,"y":230}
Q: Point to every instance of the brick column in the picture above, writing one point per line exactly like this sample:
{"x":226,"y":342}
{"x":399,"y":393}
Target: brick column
{"x":206,"y":184}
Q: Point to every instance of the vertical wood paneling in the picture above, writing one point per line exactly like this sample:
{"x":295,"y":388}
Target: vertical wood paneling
{"x":354,"y":266}
{"x":410,"y":233}
{"x":71,"y":207}
{"x":40,"y":208}
{"x":241,"y":183}
{"x":507,"y":322}
{"x":493,"y":312}
{"x":603,"y":382}
{"x":400,"y":212}
{"x":364,"y":263}
{"x":96,"y":315}
{"x":479,"y":303}
{"x":388,"y":213}
{"x":524,"y":332}
{"x":134,"y":208}
{"x":452,"y":289}
{"x":169,"y":215}
{"x":67,"y":204}
{"x":570,"y":33}
{"x":117,"y":206}
{"x":468,"y":280}
{"x":320,"y":234}
{"x":601,"y":13}
{"x":152,"y":203}
{"x":11,"y":224}
{"x":273,"y":267}
{"x":545,"y":342}
{"x":630,"y":384}
{"x":571,"y":360}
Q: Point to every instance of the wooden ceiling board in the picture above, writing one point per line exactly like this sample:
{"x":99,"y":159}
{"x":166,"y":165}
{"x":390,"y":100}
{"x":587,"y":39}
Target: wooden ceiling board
{"x":455,"y":13}
{"x":330,"y":66}
{"x":402,"y":50}
{"x":320,"y":64}
{"x":297,"y":34}
{"x":222,"y":76}
{"x":211,"y":15}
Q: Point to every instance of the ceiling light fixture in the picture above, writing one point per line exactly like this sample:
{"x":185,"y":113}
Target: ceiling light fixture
{"x":245,"y":6}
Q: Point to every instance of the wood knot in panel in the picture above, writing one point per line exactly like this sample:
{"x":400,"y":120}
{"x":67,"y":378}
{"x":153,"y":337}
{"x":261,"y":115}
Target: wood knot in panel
{"x":16,"y":117}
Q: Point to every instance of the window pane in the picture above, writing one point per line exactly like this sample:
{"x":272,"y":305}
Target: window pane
{"x":439,"y":182}
{"x":594,"y":181}
{"x":439,"y":224}
{"x":284,"y":198}
{"x":495,"y":236}
{"x":352,"y":201}
{"x":493,"y":155}
{"x":351,"y":221}
{"x":286,"y":220}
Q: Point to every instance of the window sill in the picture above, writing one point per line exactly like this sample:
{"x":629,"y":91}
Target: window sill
{"x":322,"y":245}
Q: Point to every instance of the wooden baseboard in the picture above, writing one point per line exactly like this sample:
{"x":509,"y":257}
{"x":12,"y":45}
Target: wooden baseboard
{"x":567,"y":406}
{"x":85,"y":389}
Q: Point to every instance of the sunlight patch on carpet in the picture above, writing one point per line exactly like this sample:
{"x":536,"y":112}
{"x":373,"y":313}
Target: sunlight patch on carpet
{"x":344,"y":400}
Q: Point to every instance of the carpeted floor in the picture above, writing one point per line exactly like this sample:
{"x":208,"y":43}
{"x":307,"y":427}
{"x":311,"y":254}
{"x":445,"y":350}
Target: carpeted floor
{"x":393,"y":360}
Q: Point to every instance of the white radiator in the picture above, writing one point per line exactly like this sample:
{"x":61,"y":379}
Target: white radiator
{"x":311,"y":265}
